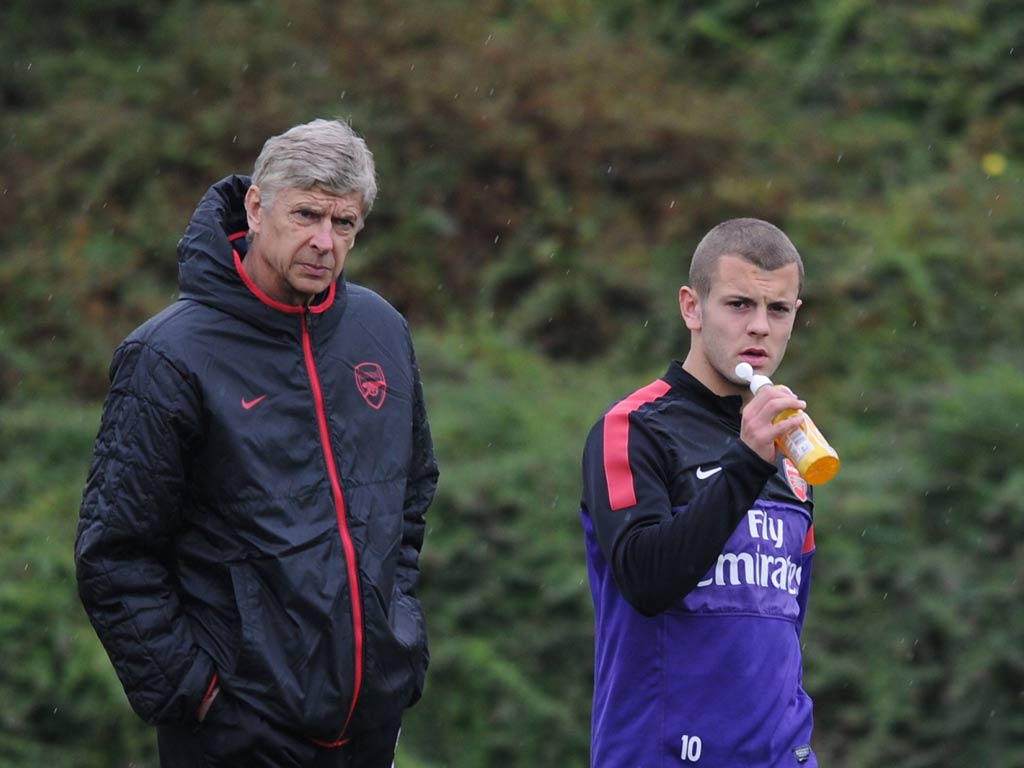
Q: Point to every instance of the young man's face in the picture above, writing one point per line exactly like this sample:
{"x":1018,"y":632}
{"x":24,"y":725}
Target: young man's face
{"x":300,"y":243}
{"x":747,"y":316}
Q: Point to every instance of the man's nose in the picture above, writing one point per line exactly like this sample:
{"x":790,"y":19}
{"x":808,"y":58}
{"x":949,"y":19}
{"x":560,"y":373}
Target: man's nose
{"x":323,"y":237}
{"x":759,"y":322}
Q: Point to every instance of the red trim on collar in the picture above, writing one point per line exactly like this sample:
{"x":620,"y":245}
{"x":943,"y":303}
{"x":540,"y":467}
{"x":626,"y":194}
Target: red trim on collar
{"x":316,"y":309}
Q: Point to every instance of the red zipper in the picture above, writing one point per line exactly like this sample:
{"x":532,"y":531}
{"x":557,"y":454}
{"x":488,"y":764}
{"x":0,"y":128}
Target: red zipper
{"x":346,"y":537}
{"x":332,"y":473}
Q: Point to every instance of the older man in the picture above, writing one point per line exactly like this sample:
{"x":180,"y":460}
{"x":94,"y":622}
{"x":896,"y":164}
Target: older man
{"x":253,"y":515}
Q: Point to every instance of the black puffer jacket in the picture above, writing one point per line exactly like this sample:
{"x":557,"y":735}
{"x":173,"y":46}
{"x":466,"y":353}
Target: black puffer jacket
{"x":255,"y":506}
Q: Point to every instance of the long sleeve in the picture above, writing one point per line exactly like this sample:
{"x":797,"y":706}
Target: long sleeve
{"x":130,"y":511}
{"x":419,"y":491}
{"x":658,"y":548}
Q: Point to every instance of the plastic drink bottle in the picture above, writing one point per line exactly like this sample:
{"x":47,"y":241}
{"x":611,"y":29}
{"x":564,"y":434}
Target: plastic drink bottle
{"x":815,"y":460}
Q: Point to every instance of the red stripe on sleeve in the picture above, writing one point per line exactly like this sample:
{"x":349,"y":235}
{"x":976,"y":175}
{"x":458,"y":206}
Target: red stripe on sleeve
{"x":808,"y":540}
{"x":618,"y":474}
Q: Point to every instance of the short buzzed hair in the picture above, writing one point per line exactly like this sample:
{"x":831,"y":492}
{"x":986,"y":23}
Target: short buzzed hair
{"x":762,"y":244}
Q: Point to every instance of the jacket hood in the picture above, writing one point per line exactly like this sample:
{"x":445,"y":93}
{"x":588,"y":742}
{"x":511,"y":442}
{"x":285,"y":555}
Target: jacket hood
{"x":211,"y":255}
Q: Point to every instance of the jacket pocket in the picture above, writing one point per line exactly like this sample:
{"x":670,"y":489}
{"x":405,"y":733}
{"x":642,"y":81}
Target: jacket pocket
{"x":396,"y":657}
{"x":296,"y":658}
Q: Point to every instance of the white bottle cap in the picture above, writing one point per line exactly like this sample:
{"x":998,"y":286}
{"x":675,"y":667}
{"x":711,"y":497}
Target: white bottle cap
{"x":746,"y":372}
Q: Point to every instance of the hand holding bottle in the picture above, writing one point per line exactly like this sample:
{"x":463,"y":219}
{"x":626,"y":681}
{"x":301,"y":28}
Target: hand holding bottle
{"x":801,"y":441}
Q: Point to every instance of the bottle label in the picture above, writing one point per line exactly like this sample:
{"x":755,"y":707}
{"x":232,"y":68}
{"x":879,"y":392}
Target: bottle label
{"x":798,"y":445}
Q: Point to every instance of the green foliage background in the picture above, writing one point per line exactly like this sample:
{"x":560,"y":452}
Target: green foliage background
{"x":546,"y":168}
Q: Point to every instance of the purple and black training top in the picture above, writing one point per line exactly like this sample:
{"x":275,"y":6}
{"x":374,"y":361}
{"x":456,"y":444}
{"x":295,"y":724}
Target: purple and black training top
{"x":699,"y":554}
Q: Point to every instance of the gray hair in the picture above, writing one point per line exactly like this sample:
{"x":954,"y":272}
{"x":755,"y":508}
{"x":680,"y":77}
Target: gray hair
{"x":326,"y":154}
{"x":762,"y":244}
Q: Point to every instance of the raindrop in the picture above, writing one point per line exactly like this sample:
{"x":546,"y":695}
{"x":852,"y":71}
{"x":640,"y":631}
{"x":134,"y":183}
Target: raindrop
{"x":497,"y":238}
{"x":672,"y":204}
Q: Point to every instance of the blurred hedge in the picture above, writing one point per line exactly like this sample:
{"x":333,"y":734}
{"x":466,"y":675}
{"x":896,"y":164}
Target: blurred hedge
{"x":546,"y":168}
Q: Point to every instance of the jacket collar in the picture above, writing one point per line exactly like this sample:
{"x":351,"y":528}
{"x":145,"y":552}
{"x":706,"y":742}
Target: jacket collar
{"x":211,"y":267}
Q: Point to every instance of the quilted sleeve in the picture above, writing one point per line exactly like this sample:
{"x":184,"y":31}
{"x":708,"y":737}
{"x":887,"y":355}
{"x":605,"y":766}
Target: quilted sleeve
{"x":131,"y":509}
{"x":419,"y":490}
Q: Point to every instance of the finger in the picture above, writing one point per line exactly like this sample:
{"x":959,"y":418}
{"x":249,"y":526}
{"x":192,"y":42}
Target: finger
{"x":788,"y":424}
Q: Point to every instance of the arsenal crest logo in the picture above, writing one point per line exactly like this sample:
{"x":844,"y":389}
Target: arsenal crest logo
{"x":371,"y":383}
{"x":796,"y":482}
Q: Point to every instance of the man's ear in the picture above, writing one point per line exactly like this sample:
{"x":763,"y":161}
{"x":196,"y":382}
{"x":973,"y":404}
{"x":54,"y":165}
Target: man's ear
{"x":796,"y":306}
{"x":254,"y":208}
{"x":689,"y":308}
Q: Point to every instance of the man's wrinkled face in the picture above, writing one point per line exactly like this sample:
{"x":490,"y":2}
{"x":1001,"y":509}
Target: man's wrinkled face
{"x":300,"y":242}
{"x":747,"y":316}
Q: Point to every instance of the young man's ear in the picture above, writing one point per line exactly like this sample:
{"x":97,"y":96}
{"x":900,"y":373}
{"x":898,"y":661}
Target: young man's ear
{"x":689,"y":308}
{"x":254,"y":208}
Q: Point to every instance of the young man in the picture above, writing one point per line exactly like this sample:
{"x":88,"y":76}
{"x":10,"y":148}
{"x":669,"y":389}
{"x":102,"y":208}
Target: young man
{"x":699,"y":534}
{"x":253,"y":516}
